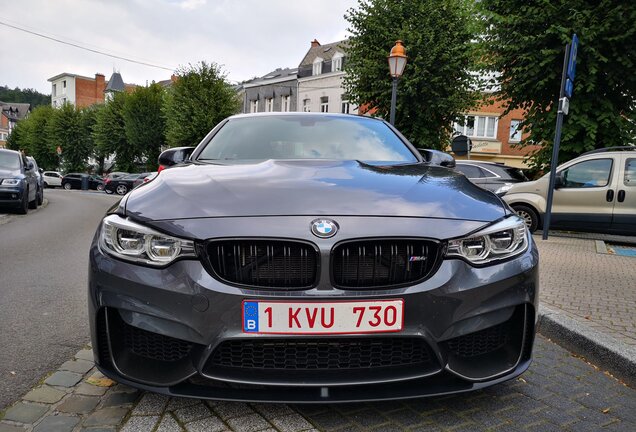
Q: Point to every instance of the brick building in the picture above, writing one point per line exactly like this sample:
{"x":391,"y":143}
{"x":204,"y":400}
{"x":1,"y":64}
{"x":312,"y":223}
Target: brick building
{"x":84,"y":91}
{"x":493,"y":135}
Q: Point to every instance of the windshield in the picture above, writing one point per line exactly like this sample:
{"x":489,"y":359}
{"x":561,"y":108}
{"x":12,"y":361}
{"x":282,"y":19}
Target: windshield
{"x":306,"y":137}
{"x":9,"y":160}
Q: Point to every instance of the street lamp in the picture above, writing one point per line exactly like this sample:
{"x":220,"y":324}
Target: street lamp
{"x":397,"y":61}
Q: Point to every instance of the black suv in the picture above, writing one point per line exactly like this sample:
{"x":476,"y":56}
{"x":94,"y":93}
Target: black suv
{"x":18,"y":182}
{"x":74,"y":181}
{"x":495,"y":177}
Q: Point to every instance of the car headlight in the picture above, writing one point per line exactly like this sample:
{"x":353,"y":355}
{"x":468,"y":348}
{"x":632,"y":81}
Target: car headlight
{"x":502,"y":240}
{"x":130,"y":241}
{"x":503,"y":189}
{"x":10,"y":182}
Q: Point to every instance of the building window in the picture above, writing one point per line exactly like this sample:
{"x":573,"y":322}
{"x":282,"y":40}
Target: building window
{"x":54,"y":90}
{"x":306,"y":107}
{"x":515,"y":131}
{"x":317,"y":66}
{"x":336,"y":63}
{"x":269,"y":104}
{"x":345,"y":107}
{"x":285,"y":103}
{"x":64,"y":87}
{"x":254,"y":106}
{"x":478,"y":126}
{"x":324,"y":104}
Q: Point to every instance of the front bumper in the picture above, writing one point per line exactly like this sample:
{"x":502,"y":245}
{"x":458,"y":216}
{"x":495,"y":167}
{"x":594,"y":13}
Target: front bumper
{"x":159,"y":330}
{"x":11,"y":196}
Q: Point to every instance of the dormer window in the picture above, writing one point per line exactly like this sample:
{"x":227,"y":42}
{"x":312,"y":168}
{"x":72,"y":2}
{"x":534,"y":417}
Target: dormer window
{"x":317,"y":66}
{"x":336,"y":62}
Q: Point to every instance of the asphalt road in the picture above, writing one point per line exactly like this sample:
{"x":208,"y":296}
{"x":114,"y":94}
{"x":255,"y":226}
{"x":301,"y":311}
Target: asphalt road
{"x":43,"y":272}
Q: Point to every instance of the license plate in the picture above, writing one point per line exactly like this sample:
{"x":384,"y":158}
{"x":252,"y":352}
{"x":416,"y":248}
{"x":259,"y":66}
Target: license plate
{"x":335,"y":317}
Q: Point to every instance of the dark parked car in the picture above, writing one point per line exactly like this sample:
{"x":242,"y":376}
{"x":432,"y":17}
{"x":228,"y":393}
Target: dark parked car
{"x":495,"y":177}
{"x":307,"y":257}
{"x":18,"y":182}
{"x":74,"y":181}
{"x":146,"y":179}
{"x":40,"y":179}
{"x":122,"y":185}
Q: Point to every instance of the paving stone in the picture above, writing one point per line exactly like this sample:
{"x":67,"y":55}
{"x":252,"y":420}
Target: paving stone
{"x":227,"y":410}
{"x":89,"y":389}
{"x":85,"y":354}
{"x":249,"y":423}
{"x":191,"y":413}
{"x":5,"y":427}
{"x":210,"y":424}
{"x":169,"y":424}
{"x":124,"y":388}
{"x":179,"y":402}
{"x":140,"y":424}
{"x":78,"y":366}
{"x":25,"y":412}
{"x":270,"y":411}
{"x":63,"y":379}
{"x":44,"y":394}
{"x":151,"y":404}
{"x":122,"y":398}
{"x":57,"y":423}
{"x":100,"y":429}
{"x":291,"y":423}
{"x":78,"y":404}
{"x":106,"y":417}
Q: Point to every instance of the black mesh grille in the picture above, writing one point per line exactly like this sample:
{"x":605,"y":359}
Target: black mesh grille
{"x":323,"y":354}
{"x":382,"y":263}
{"x":481,"y":342}
{"x":264,"y":263}
{"x":102,"y":339}
{"x":154,"y":346}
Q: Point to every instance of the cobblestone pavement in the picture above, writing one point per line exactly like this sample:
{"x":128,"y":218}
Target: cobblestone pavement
{"x":559,"y":392}
{"x":597,"y":289}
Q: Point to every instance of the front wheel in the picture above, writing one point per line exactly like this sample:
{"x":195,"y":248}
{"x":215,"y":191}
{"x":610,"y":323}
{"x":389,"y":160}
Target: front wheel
{"x":529,"y":216}
{"x":41,"y":197}
{"x":67,"y":186}
{"x":24,"y":205}
{"x":100,"y":187}
{"x":122,"y":190}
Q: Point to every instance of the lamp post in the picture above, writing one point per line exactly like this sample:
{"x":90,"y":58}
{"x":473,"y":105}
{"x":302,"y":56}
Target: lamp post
{"x":397,"y":61}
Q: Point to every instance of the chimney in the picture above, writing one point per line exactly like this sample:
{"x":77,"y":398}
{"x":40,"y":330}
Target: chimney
{"x":315,"y":43}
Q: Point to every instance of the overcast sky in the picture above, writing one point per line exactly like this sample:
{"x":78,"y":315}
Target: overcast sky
{"x":247,"y":37}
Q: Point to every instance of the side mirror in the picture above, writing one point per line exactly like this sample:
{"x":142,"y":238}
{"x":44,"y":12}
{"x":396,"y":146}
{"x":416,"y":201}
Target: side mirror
{"x":29,"y":166}
{"x":559,"y":180}
{"x":41,"y":171}
{"x":436,"y":157}
{"x":175,"y":156}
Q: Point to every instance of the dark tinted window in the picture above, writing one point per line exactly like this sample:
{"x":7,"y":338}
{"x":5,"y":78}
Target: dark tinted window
{"x":630,"y":172}
{"x":469,"y":171}
{"x":515,"y":173}
{"x":591,"y":173}
{"x":306,"y":137}
{"x":9,"y":160}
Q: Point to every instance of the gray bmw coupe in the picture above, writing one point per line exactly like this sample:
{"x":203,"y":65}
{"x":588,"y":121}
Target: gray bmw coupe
{"x":303,"y":257}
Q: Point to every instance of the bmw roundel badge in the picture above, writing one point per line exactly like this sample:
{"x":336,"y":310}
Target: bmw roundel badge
{"x":324,"y":228}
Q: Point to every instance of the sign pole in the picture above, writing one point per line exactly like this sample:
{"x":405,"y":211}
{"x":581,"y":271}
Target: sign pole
{"x":555,"y":149}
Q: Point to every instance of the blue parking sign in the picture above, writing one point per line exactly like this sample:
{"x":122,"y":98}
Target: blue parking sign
{"x":574,"y":47}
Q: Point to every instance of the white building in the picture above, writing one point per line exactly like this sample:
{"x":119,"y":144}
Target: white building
{"x":320,"y":79}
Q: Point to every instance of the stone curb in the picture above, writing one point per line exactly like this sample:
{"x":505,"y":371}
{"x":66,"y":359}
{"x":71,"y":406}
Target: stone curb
{"x":8,"y":217}
{"x":597,"y":347}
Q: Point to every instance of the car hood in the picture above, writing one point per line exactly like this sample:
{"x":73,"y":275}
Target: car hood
{"x":311,"y":187}
{"x":6,"y":173}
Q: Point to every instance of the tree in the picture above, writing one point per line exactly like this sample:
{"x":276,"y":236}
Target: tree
{"x":37,"y":142}
{"x":109,"y":133}
{"x":65,"y":130}
{"x":526,"y":40}
{"x":437,"y":85}
{"x":144,"y":123}
{"x":17,"y":139}
{"x":199,"y":99}
{"x":31,"y":96}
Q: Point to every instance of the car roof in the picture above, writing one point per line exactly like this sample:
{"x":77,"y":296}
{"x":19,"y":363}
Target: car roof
{"x":301,"y":113}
